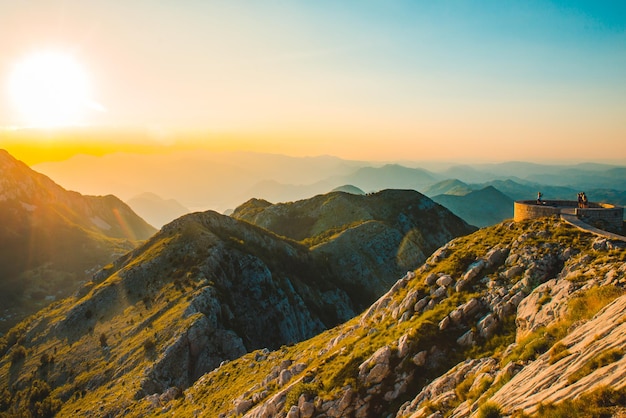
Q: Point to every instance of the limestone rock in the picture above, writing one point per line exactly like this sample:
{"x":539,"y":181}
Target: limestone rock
{"x":487,"y":326}
{"x":467,"y":340}
{"x":445,"y":280}
{"x":431,"y":279}
{"x":420,"y":358}
{"x":543,"y":382}
{"x":496,"y":256}
{"x":376,"y":368}
{"x":531,"y":314}
{"x":474,"y":269}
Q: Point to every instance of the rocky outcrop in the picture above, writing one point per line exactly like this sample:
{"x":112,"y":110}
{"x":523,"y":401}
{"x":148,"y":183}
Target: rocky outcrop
{"x":423,"y":348}
{"x":500,"y":295}
{"x":542,"y":382}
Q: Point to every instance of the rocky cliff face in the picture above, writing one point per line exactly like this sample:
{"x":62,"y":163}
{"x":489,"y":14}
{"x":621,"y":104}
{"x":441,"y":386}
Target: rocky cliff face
{"x":206,"y":289}
{"x":507,"y":317}
{"x":50,"y":237}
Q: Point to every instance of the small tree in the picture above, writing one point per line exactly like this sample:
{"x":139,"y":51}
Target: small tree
{"x":103,"y":340}
{"x":18,"y":354}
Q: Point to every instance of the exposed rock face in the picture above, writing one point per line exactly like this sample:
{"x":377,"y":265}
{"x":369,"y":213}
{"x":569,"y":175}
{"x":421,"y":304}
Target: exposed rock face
{"x":541,"y":381}
{"x":547,"y":303}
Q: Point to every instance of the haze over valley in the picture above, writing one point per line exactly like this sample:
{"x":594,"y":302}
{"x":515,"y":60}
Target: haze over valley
{"x":221,"y":181}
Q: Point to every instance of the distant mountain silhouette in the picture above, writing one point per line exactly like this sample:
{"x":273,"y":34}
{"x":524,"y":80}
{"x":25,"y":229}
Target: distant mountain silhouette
{"x":221,"y":181}
{"x":348,"y":188}
{"x":390,"y":176}
{"x":198,"y":180}
{"x":451,"y":187}
{"x":275,"y":191}
{"x":481,"y":208}
{"x":50,"y":236}
{"x":156,"y":210}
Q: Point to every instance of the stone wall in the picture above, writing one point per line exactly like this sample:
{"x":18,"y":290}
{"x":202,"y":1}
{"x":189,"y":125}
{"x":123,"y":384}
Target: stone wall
{"x":607,"y":217}
{"x":529,"y":209}
{"x":602,"y":215}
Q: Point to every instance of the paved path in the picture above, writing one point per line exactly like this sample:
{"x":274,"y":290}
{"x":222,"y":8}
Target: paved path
{"x":570,"y":218}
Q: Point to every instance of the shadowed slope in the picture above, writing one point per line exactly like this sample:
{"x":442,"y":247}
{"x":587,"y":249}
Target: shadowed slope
{"x":50,"y":237}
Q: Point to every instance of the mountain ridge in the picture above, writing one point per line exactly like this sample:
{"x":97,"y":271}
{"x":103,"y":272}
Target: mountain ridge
{"x":205,"y":289}
{"x":53,"y":239}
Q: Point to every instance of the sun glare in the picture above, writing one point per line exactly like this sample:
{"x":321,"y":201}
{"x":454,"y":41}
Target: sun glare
{"x":50,"y":89}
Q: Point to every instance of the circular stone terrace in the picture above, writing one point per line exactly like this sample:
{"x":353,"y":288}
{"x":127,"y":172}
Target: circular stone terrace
{"x":602,"y":215}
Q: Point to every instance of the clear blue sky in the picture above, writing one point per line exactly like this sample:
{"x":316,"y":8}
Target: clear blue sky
{"x":486,"y":80}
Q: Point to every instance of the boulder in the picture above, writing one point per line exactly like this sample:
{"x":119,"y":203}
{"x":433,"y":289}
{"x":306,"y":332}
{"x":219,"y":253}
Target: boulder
{"x":471,"y":307}
{"x":284,"y":377}
{"x":431,"y":279}
{"x":445,"y":280}
{"x":444,"y":323}
{"x":474,"y":269}
{"x":421,"y":304}
{"x":439,"y":293}
{"x":375,"y":369}
{"x":496,"y":256}
{"x":420,"y":358}
{"x":487,"y":326}
{"x":467,"y":340}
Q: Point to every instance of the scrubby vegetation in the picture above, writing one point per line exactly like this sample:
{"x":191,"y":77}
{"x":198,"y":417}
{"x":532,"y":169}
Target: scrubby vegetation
{"x":581,"y":307}
{"x":599,"y":360}
{"x":601,"y":403}
{"x":489,"y":410}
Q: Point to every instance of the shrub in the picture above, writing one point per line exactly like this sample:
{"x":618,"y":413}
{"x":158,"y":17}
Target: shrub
{"x":309,"y":389}
{"x":599,"y":403}
{"x":482,"y":386}
{"x":103,"y":340}
{"x":558,"y":352}
{"x":489,"y":410}
{"x":462,"y":389}
{"x":18,"y":354}
{"x":45,"y":359}
{"x":149,"y":344}
{"x":545,"y":298}
{"x":588,"y":303}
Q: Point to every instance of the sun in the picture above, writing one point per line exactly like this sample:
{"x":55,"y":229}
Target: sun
{"x":50,"y":89}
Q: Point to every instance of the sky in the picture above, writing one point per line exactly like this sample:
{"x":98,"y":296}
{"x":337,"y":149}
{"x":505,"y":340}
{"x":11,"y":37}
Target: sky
{"x":359,"y":79}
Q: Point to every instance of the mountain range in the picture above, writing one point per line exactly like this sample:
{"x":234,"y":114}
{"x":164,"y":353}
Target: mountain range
{"x":209,"y":288}
{"x":215,"y":316}
{"x":52,"y":239}
{"x":223,"y":180}
{"x":478,"y":207}
{"x":156,"y":210}
{"x":344,"y":304}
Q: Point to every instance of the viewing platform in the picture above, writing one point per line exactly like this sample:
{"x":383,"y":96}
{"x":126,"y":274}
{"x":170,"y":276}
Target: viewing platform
{"x":601,"y":215}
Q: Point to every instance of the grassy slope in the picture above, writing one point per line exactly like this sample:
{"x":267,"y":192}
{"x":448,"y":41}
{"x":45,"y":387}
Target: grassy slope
{"x":334,"y":364}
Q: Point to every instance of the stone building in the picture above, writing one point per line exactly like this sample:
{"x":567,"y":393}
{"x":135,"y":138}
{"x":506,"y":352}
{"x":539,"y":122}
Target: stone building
{"x":601,"y":215}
